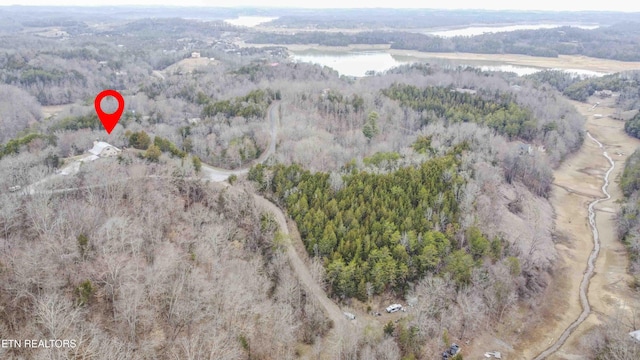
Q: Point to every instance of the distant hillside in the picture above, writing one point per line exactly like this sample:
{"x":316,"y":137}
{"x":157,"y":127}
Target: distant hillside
{"x":431,"y":18}
{"x":617,"y":42}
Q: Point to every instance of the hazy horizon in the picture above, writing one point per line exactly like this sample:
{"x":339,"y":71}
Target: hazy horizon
{"x":499,"y":5}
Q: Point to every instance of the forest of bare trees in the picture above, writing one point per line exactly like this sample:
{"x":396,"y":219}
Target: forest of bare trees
{"x":138,"y":259}
{"x":149,"y":268}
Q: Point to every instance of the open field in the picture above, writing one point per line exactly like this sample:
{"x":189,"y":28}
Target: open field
{"x":52,"y":110}
{"x":561,"y":62}
{"x":189,"y":65}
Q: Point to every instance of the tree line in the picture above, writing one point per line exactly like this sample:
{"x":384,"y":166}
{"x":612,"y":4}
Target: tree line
{"x":500,"y":112}
{"x":579,"y":88}
{"x":617,"y":42}
{"x":254,"y":104}
{"x":421,"y":19}
{"x":632,"y":126}
{"x":629,"y":216}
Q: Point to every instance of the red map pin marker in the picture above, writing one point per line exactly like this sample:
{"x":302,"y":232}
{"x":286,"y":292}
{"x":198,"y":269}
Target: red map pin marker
{"x":109,"y":121}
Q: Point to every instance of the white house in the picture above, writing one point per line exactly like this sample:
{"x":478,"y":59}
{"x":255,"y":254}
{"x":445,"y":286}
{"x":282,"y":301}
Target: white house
{"x":195,"y":55}
{"x":103,"y":149}
{"x":525,"y":149}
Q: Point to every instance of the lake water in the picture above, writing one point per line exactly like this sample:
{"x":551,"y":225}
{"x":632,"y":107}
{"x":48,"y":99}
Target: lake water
{"x":479,"y":30}
{"x":249,"y":21}
{"x":357,"y":63}
{"x":350,"y":63}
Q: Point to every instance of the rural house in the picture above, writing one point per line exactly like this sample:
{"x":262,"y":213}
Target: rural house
{"x":103,"y":149}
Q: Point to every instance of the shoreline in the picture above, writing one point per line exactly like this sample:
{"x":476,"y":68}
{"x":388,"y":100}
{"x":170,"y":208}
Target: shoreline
{"x":567,"y":62}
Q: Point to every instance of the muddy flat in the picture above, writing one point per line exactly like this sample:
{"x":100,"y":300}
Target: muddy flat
{"x":578,"y":181}
{"x":609,"y":288}
{"x":561,"y":62}
{"x":609,"y":291}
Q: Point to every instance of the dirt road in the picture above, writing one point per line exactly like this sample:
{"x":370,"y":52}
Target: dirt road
{"x":340,"y":322}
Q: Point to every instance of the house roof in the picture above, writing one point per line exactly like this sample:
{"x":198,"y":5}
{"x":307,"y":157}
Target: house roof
{"x":99,"y":146}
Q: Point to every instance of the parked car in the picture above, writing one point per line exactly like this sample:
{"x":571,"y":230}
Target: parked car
{"x":349,"y":315}
{"x":453,"y":350}
{"x":393,"y":308}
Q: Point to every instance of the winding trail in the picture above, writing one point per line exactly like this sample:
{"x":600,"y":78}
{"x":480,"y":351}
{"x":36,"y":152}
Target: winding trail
{"x":333,"y":338}
{"x":588,"y":274}
{"x":340,"y":323}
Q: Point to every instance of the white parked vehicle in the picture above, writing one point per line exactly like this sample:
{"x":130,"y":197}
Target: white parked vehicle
{"x":349,"y":315}
{"x":393,"y":308}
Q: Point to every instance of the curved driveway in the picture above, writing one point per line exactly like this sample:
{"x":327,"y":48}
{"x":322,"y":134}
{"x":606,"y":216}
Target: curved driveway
{"x":299,"y":267}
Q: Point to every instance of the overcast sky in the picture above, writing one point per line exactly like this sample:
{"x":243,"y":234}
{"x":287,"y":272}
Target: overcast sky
{"x":607,"y":5}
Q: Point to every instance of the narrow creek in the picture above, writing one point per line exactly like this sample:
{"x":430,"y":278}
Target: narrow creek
{"x":584,"y":284}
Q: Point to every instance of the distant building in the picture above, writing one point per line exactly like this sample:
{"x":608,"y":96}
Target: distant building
{"x":604,"y":93}
{"x":195,"y":55}
{"x":464,"y":91}
{"x":525,"y":149}
{"x":103,"y":149}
